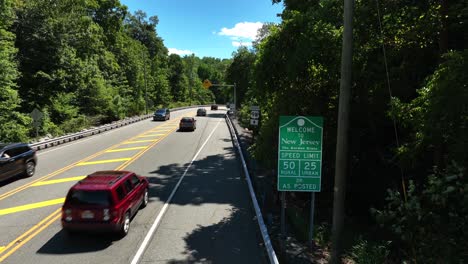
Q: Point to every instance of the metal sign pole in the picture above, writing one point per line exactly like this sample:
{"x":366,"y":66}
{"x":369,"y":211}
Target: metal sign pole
{"x":283,"y":215}
{"x":312,"y":213}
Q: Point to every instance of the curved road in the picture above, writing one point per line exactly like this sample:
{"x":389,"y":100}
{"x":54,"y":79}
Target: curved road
{"x":208,"y":219}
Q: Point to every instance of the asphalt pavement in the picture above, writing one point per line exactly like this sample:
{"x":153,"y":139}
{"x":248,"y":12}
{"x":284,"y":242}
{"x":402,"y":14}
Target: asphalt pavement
{"x":208,"y":219}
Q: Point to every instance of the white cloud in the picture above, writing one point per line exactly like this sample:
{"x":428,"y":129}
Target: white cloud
{"x":239,"y":43}
{"x":180,"y":52}
{"x":246,"y":30}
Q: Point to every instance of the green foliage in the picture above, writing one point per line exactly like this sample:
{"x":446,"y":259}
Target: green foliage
{"x":84,"y":63}
{"x":48,"y":127}
{"x":75,"y":124}
{"x":438,"y":117}
{"x":14,"y":128}
{"x":244,"y":115}
{"x":322,"y":234}
{"x":177,"y":78}
{"x":295,"y":73}
{"x":13,"y":125}
{"x":212,"y":69}
{"x":240,"y":72}
{"x":62,"y":108}
{"x":432,"y":223}
{"x":365,"y":252}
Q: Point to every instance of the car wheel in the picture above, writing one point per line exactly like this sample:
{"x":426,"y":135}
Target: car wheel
{"x":145,"y":199}
{"x":30,"y":169}
{"x":125,"y":225}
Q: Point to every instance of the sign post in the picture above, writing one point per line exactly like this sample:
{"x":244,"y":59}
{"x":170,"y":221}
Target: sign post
{"x":254,"y":115}
{"x":300,"y":157}
{"x":37,"y":118}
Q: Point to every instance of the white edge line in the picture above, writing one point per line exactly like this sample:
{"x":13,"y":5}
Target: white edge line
{"x":258,"y":212}
{"x":156,"y":222}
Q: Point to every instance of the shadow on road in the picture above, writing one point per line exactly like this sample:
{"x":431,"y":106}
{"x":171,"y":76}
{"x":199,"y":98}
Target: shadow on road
{"x":224,"y":242}
{"x":210,"y":180}
{"x":63,"y":243}
{"x":215,"y":179}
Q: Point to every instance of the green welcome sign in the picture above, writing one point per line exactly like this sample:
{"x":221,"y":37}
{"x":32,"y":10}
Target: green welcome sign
{"x":300,"y":153}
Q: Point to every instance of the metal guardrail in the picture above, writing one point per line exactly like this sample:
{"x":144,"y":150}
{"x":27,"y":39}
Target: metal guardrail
{"x":263,"y":229}
{"x":97,"y":130}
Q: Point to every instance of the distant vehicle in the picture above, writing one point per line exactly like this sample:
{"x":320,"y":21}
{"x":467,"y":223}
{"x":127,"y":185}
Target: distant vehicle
{"x":104,"y":201}
{"x":214,"y":107}
{"x":162,"y":114}
{"x":187,"y":123}
{"x":201,"y":112}
{"x":17,"y":159}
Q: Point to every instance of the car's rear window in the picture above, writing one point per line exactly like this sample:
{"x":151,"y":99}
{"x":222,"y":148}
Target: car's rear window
{"x":80,"y":197}
{"x":186,"y":120}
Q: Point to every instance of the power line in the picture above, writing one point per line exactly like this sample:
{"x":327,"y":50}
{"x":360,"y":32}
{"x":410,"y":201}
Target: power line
{"x":391,"y":96}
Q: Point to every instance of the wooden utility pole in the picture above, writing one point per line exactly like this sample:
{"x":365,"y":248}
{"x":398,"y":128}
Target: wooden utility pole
{"x":342,"y":136}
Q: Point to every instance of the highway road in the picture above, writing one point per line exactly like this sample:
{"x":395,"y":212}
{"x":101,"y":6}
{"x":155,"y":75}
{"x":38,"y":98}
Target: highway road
{"x":208,"y":219}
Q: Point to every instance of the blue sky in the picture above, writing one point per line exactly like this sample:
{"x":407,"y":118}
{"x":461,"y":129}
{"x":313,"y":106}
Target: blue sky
{"x":208,"y":28}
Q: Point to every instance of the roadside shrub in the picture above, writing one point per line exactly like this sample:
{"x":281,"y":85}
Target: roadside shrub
{"x":365,"y":252}
{"x":432,"y":225}
{"x":75,"y":124}
{"x":322,"y":234}
{"x":47,"y":126}
{"x":15,"y":129}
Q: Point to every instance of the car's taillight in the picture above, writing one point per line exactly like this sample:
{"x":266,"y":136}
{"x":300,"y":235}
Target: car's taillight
{"x":67,"y":214}
{"x":108,"y":214}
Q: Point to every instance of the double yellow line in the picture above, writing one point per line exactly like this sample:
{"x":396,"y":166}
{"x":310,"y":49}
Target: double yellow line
{"x":13,"y":246}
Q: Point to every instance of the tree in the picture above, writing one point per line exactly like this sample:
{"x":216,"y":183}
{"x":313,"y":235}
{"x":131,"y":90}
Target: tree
{"x":12,"y":123}
{"x":177,"y":78}
{"x":240,"y":72}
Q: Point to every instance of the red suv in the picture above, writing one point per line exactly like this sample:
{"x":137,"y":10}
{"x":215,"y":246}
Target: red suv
{"x":104,"y":201}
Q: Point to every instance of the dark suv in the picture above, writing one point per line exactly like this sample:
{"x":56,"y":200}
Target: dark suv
{"x":17,"y":159}
{"x":162,"y":114}
{"x":104,"y":201}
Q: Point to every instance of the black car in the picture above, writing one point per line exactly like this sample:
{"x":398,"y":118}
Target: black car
{"x":214,"y":107}
{"x":162,"y":114}
{"x":201,"y":112}
{"x":187,"y":123}
{"x":17,"y":159}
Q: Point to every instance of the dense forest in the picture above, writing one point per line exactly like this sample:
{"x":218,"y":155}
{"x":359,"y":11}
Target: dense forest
{"x":84,"y":63}
{"x":408,"y":136}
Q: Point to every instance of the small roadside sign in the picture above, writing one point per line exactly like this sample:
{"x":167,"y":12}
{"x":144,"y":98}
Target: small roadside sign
{"x":207,"y":84}
{"x":255,"y":114}
{"x":37,"y":117}
{"x":300,"y":153}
